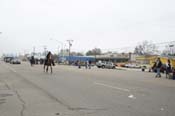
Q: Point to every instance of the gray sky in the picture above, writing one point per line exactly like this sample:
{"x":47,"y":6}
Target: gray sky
{"x":106,"y":24}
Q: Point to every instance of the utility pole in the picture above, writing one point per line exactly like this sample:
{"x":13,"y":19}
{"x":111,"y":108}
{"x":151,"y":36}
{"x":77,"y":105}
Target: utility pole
{"x":95,"y":54}
{"x":58,"y":50}
{"x":70,"y":44}
{"x":33,"y":50}
{"x":45,"y":49}
{"x":62,"y":47}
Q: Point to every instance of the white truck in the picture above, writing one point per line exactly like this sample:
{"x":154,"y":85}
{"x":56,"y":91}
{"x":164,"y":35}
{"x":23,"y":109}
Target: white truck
{"x":103,"y":64}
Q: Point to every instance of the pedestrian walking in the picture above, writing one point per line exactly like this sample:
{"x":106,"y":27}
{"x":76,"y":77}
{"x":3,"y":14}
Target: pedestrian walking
{"x":86,"y":64}
{"x":168,"y":68}
{"x":90,"y":64}
{"x":158,"y":67}
{"x":79,"y":64}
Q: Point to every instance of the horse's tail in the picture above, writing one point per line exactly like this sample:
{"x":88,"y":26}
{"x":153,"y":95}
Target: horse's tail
{"x":53,"y":63}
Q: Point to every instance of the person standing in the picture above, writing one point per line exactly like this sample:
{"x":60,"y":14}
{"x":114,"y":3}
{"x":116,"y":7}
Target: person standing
{"x":79,"y":64}
{"x":90,"y":64}
{"x":158,"y":66}
{"x":168,"y":68}
{"x":32,"y":60}
{"x":86,"y":64}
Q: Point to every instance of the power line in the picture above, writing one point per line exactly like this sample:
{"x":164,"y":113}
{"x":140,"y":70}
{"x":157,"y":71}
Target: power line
{"x":132,"y":47}
{"x":165,"y":42}
{"x":70,"y":44}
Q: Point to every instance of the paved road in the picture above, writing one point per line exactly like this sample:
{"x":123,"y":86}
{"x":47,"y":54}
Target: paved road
{"x":69,"y":91}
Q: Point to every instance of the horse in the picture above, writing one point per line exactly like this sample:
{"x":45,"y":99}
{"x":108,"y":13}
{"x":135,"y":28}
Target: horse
{"x":48,"y":62}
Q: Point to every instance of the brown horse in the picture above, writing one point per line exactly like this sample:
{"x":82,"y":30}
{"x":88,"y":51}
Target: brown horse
{"x":48,"y":63}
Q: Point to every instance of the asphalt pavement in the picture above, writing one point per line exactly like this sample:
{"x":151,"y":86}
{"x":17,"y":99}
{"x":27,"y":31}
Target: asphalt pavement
{"x":69,"y":91}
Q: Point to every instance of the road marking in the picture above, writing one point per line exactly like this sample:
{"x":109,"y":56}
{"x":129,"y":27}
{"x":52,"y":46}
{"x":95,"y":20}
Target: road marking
{"x":162,"y":109}
{"x":13,"y":70}
{"x":113,"y":87}
{"x":132,"y":96}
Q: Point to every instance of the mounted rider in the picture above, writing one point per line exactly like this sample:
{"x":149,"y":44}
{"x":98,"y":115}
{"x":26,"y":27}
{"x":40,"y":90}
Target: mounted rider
{"x":49,"y":59}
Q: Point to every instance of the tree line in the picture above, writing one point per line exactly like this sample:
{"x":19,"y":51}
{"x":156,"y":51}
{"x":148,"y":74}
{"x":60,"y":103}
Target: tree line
{"x":144,"y":48}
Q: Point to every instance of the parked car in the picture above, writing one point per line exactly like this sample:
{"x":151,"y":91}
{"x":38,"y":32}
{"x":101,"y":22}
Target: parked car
{"x":15,"y":61}
{"x":103,"y":64}
{"x":110,"y":65}
{"x":8,"y":59}
{"x":132,"y":66}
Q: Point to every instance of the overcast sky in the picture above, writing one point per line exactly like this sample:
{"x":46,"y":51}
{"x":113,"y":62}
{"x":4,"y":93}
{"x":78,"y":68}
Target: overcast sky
{"x":106,"y":24}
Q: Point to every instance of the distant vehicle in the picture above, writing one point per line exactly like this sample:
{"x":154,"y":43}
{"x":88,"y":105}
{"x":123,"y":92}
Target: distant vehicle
{"x":109,"y":65}
{"x":101,"y":64}
{"x":8,"y":59}
{"x":120,"y":64}
{"x":132,"y":66}
{"x":15,"y":61}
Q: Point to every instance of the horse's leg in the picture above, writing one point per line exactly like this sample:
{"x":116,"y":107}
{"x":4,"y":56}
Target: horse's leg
{"x":44,"y":67}
{"x":51,"y":68}
{"x":47,"y":69}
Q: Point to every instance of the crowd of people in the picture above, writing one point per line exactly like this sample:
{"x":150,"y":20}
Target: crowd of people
{"x":170,"y":71}
{"x":87,"y":64}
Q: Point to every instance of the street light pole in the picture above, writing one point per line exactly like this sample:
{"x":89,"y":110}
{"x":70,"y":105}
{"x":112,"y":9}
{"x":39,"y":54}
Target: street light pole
{"x":45,"y":49}
{"x":95,"y":55}
{"x":62,"y":47}
{"x":70,"y":44}
{"x":33,"y":50}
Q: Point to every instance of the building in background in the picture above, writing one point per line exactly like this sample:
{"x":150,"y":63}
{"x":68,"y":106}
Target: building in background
{"x":113,"y":57}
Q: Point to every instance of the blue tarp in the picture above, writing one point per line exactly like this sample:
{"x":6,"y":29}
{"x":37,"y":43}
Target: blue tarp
{"x":77,"y":58}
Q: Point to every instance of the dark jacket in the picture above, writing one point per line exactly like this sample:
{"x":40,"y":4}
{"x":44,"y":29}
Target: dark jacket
{"x":159,"y":64}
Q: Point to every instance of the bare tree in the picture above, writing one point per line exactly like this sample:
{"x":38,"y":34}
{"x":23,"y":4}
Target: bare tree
{"x":76,"y":54}
{"x":94,"y":52}
{"x":146,"y":48}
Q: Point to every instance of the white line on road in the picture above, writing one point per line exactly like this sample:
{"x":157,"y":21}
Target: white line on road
{"x":13,"y":70}
{"x":113,"y":87}
{"x":131,"y":96}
